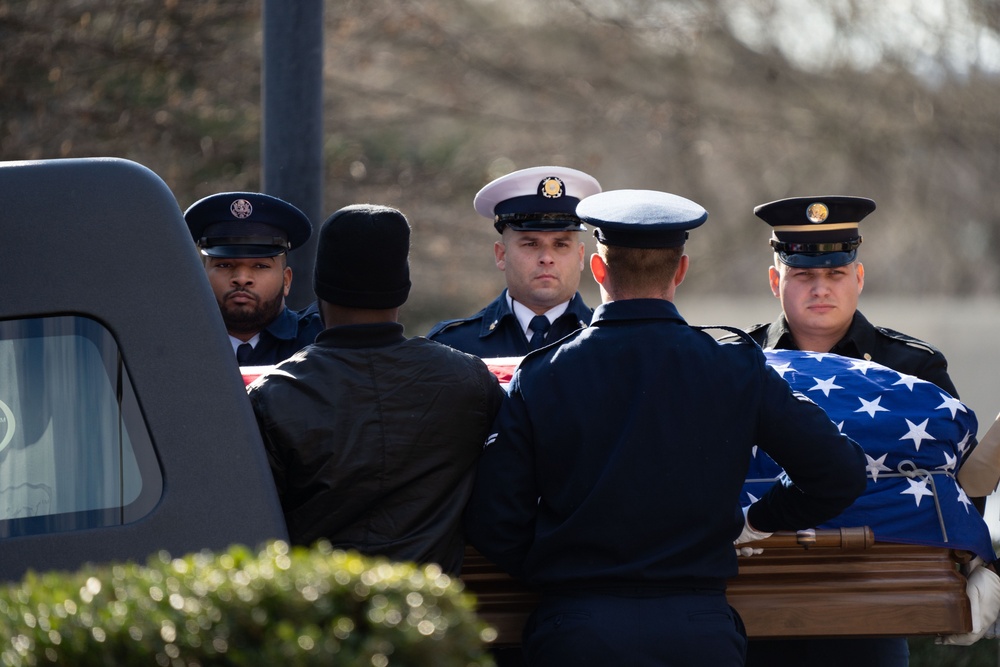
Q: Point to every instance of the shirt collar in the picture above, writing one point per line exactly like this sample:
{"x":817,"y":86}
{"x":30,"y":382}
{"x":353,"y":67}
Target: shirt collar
{"x":524,"y":314}
{"x":236,"y":342}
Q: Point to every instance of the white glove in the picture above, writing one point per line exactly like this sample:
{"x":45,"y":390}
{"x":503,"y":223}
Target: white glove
{"x":748,"y":551}
{"x":983,"y":588}
{"x":749,"y":534}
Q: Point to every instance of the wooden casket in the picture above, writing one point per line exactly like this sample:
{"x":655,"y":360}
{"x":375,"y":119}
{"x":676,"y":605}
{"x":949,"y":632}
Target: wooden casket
{"x":823,"y":583}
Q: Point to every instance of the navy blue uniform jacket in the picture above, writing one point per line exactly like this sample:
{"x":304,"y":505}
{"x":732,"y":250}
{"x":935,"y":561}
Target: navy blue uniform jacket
{"x":621,"y":452}
{"x":495,"y":332}
{"x":286,"y":335}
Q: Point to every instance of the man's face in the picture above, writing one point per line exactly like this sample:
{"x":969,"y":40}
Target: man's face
{"x":542,"y":268}
{"x":251,"y":291}
{"x":818,"y":302}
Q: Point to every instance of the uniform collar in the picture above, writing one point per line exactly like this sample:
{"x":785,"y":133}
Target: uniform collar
{"x":285,"y":326}
{"x":636,"y":309}
{"x":524,"y":314}
{"x":236,"y":342}
{"x":500,"y":308}
{"x":357,"y":336}
{"x":860,"y":337}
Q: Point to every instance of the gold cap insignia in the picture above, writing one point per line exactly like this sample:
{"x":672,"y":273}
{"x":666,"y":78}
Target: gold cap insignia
{"x":817,"y":212}
{"x":552,"y":188}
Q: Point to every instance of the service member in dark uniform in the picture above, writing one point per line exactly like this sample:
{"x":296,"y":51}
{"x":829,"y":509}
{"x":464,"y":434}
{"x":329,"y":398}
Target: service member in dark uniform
{"x":541,"y":256}
{"x":612,"y":482}
{"x":818,"y":278}
{"x":244,"y":238}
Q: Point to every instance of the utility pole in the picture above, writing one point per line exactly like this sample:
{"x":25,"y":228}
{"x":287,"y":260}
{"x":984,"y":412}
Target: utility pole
{"x":292,"y":132}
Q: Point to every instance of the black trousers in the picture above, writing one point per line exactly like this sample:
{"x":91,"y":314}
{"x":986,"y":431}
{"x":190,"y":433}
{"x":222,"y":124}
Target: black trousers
{"x":688,"y":629}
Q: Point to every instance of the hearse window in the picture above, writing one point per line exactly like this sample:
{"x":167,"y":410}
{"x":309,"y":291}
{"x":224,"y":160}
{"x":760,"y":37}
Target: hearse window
{"x":75,"y":452}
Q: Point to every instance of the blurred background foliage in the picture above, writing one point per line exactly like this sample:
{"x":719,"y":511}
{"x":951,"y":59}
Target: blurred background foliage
{"x":729,"y":102}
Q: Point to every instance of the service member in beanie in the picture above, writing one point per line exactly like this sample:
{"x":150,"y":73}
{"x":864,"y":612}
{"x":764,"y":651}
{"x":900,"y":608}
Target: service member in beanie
{"x":541,"y":256}
{"x":372,"y":436}
{"x":613,"y":481}
{"x":244,"y":238}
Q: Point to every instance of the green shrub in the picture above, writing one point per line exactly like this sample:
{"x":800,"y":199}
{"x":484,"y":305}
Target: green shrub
{"x":281,"y":607}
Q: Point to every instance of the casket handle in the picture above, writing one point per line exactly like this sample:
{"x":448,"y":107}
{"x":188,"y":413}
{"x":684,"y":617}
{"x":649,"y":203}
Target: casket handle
{"x":853,"y":538}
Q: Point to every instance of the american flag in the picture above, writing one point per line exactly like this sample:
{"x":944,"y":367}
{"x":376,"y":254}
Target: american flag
{"x":915,"y":436}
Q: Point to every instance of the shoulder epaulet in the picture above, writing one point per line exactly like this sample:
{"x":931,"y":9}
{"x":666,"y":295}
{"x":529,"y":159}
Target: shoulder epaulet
{"x":737,"y":333}
{"x":447,"y":324}
{"x":909,"y":340}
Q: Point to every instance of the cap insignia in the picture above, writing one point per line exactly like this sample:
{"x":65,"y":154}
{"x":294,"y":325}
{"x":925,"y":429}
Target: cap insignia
{"x":241,"y":208}
{"x":817,"y":212}
{"x":552,"y":188}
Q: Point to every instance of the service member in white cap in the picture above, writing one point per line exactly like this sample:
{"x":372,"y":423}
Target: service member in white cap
{"x":244,"y":238}
{"x":541,"y":256}
{"x":818,"y":278}
{"x":613,"y":481}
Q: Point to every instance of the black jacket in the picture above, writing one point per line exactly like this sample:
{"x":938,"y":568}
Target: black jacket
{"x":863,"y":340}
{"x":373,"y":440}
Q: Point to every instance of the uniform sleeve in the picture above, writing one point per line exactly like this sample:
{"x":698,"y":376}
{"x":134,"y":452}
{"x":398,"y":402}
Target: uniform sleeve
{"x":936,"y":370}
{"x":825,"y":469}
{"x":500,"y":518}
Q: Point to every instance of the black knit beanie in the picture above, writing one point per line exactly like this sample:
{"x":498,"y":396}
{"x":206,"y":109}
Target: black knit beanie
{"x":362,"y":258}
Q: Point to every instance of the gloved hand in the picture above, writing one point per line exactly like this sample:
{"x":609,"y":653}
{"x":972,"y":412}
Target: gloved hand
{"x":749,"y":534}
{"x":748,"y":551}
{"x":983,"y":588}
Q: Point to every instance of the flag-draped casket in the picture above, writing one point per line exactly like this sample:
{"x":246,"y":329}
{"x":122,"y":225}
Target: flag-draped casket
{"x":885,"y":566}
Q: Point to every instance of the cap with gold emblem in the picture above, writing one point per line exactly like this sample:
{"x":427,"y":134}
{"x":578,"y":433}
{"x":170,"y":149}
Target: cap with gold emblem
{"x":246,"y":224}
{"x":536,"y":199}
{"x":816,"y":232}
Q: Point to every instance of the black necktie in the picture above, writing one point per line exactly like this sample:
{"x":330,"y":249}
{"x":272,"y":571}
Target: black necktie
{"x":243,"y":353}
{"x":539,"y":327}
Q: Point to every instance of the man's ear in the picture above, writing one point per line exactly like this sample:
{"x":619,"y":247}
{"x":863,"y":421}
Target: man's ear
{"x":598,"y":268}
{"x":861,"y":277}
{"x":682,"y":269}
{"x":287,"y":277}
{"x":500,"y":254}
{"x":774,"y":277}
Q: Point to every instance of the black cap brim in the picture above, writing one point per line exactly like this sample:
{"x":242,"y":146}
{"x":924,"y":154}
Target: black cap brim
{"x":821,"y":260}
{"x":243,"y":251}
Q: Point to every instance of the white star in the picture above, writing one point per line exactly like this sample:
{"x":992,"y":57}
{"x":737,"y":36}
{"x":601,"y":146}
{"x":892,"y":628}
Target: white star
{"x":862,"y":365}
{"x":871,"y":407}
{"x":784,"y":368}
{"x":964,"y":499}
{"x":908,"y":380}
{"x":917,"y":433}
{"x":752,"y":498}
{"x":819,"y":356}
{"x":918,"y":489}
{"x":754,"y":450}
{"x":840,"y":427}
{"x":949,"y":462}
{"x":875,"y":466}
{"x":950,"y":403}
{"x":825,"y":385}
{"x":963,"y":444}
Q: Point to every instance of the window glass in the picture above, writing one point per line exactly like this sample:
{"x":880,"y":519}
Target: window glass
{"x":74,"y":450}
